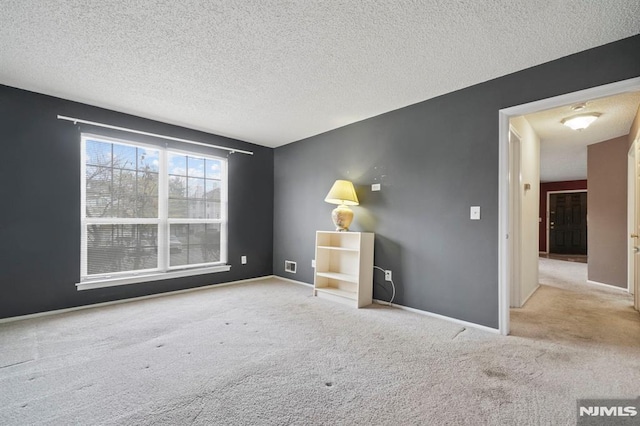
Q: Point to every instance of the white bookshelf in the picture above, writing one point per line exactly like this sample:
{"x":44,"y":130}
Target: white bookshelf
{"x":344,"y":267}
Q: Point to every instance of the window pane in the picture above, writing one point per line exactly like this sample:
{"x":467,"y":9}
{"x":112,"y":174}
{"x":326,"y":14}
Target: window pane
{"x":196,"y":209}
{"x":99,"y":177}
{"x":148,"y":160}
{"x":214,"y":169}
{"x":147,"y":194}
{"x":147,"y":206}
{"x":124,"y":157}
{"x":98,"y":153}
{"x":118,"y":248}
{"x":195,"y":188}
{"x":212,"y":190}
{"x":193,"y":244}
{"x":177,"y":187}
{"x":178,"y":208}
{"x":124,"y":193}
{"x":187,"y":197}
{"x":98,"y":186}
{"x":177,"y":196}
{"x":212,"y":194}
{"x":177,"y":165}
{"x":196,"y":167}
{"x":124,"y":184}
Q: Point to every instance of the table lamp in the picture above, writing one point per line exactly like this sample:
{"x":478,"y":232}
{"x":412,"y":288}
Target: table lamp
{"x":343,"y":194}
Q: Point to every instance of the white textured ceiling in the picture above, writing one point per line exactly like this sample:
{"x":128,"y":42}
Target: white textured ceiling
{"x":275,"y":71}
{"x":563,"y":152}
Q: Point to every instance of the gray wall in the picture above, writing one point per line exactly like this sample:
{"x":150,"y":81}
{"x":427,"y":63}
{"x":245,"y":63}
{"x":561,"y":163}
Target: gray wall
{"x":40,"y":205}
{"x":607,"y":207}
{"x":434,"y":159}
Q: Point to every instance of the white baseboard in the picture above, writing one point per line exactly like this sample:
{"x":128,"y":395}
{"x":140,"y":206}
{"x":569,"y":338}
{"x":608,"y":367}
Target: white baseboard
{"x":292,"y":281}
{"x":406,"y":308}
{"x":442,"y":317}
{"x":615,"y":287}
{"x":132,"y":299}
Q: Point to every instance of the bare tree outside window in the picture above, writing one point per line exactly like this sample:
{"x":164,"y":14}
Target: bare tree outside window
{"x":121,"y":211}
{"x":194,"y":193}
{"x":121,"y":182}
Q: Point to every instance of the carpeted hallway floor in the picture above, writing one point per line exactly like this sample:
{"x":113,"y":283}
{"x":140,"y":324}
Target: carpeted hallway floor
{"x":565,"y":309}
{"x":269,"y":353}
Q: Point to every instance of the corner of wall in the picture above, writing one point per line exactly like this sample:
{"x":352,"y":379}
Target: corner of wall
{"x":634,"y":131}
{"x":530,"y":208}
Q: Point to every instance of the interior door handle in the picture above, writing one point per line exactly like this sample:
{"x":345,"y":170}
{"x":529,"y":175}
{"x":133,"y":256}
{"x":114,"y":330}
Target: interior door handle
{"x":636,"y":249}
{"x":634,"y":235}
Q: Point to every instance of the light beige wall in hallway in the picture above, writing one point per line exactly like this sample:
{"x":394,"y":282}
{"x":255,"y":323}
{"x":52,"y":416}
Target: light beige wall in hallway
{"x":530,"y":174}
{"x":607,"y":211}
{"x":635,"y":128}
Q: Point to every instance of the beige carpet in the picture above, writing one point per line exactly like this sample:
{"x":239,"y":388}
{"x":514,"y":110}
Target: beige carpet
{"x":567,"y":310}
{"x":269,"y":353}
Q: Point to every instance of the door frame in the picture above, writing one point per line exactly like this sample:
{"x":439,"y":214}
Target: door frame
{"x":515,"y":206}
{"x":505,"y":257}
{"x":568,"y":191}
{"x":631,"y":225}
{"x":633,"y":201}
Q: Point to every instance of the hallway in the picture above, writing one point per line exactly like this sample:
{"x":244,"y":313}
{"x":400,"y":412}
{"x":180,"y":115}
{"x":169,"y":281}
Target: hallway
{"x":566,"y":309}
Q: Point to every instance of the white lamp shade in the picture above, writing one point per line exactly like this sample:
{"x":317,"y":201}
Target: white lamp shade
{"x":580,"y":122}
{"x":342,"y":192}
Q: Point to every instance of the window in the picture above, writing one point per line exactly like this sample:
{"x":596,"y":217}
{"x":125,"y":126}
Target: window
{"x":149,"y":212}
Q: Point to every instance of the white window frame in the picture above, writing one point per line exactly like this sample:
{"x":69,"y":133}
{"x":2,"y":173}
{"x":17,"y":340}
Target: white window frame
{"x":163,"y":271}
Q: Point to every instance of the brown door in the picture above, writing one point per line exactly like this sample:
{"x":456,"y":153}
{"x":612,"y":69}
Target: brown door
{"x":568,"y":223}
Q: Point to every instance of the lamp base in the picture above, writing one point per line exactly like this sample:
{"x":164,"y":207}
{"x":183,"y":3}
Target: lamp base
{"x":342,"y":217}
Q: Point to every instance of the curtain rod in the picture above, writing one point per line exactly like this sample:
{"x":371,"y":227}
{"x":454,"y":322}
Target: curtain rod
{"x":139,"y":132}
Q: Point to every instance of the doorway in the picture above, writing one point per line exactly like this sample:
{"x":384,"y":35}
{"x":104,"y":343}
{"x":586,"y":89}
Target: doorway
{"x":567,"y":223}
{"x":508,"y":257}
{"x":633,"y":222}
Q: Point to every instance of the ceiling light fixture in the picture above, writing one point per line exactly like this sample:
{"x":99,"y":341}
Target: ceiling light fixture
{"x":580,"y":122}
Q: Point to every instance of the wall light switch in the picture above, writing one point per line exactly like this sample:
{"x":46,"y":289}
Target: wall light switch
{"x":243,"y":260}
{"x":313,"y":263}
{"x":375,"y":187}
{"x":475,"y":213}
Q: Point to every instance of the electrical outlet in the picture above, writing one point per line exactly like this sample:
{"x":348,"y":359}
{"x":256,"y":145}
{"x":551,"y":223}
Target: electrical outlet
{"x":375,"y":187}
{"x":387,"y":275}
{"x":243,"y":260}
